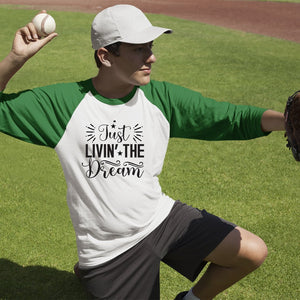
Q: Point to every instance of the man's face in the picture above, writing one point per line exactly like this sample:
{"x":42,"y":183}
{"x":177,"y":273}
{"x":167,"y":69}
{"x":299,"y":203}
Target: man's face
{"x":133,"y":65}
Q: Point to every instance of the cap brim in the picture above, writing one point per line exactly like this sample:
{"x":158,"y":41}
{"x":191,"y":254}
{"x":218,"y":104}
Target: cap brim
{"x":147,"y":35}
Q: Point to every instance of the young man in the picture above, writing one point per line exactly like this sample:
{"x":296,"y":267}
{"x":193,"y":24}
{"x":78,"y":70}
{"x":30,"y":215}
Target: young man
{"x":111,"y":134}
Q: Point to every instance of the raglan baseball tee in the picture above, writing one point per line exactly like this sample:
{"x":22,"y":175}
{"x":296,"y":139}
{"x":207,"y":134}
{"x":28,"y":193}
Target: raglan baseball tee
{"x":112,"y":151}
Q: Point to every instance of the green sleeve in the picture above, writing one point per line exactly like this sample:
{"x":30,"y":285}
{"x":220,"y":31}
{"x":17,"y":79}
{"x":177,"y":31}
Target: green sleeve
{"x":40,"y":115}
{"x":191,"y":115}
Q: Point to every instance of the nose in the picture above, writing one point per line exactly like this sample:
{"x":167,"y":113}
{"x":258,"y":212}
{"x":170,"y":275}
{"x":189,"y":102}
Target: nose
{"x":151,"y":58}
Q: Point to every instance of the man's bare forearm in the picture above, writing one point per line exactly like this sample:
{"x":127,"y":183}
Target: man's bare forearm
{"x":26,"y":44}
{"x":8,"y":67}
{"x":272,"y":121}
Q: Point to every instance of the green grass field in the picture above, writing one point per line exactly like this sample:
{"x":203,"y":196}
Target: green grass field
{"x":252,"y":183}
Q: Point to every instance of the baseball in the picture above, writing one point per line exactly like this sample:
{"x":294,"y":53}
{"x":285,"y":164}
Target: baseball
{"x":44,"y":24}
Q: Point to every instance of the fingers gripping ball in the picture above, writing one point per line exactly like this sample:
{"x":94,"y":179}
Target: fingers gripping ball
{"x":44,"y":24}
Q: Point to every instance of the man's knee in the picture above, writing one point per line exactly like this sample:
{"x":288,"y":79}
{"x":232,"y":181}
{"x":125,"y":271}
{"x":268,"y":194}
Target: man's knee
{"x":255,"y":251}
{"x":252,"y":252}
{"x":240,"y":248}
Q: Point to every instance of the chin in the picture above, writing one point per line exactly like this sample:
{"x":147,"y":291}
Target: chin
{"x":144,"y":81}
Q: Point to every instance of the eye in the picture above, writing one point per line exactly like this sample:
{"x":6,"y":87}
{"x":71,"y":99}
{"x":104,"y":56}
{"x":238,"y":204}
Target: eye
{"x":144,"y":47}
{"x":139,"y":49}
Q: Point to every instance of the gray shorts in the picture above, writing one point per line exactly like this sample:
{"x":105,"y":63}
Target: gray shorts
{"x":182,"y":241}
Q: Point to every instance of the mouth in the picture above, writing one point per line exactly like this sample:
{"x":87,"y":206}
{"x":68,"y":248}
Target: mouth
{"x":146,"y":71}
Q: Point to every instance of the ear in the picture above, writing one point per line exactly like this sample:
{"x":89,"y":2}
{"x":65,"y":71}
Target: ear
{"x":104,"y":57}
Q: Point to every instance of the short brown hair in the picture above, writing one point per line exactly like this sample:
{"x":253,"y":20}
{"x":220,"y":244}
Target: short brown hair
{"x":112,"y":48}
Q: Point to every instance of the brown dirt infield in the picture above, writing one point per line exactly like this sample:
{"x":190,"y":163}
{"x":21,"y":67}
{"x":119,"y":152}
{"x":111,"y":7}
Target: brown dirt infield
{"x":276,"y":19}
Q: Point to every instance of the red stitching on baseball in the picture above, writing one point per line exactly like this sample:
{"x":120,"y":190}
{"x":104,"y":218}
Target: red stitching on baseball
{"x":43,"y":25}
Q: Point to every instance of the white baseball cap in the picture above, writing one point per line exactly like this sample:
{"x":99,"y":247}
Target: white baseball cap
{"x":123,"y":23}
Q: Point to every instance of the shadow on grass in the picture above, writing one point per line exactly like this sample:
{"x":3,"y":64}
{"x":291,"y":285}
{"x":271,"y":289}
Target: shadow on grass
{"x":37,"y":282}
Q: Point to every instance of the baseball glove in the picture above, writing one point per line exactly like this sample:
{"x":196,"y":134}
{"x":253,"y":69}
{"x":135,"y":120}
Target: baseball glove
{"x":292,"y":124}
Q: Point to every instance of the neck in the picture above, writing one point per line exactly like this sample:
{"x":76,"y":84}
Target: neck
{"x":110,"y":88}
